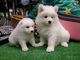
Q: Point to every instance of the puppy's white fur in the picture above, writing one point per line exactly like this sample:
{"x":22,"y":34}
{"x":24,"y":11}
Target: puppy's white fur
{"x":53,"y":30}
{"x":23,"y":33}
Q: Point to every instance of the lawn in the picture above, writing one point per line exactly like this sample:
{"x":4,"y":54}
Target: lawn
{"x":14,"y":53}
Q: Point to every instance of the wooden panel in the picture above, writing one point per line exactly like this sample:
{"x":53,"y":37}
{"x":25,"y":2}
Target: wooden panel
{"x":15,"y":19}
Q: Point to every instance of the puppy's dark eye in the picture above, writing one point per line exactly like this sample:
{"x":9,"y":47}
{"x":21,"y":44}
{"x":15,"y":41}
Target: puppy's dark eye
{"x":45,"y":16}
{"x":51,"y":16}
{"x":27,"y":26}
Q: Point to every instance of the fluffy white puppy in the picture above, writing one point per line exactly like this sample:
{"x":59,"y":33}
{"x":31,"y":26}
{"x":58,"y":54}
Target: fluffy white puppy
{"x":49,"y":27}
{"x":23,"y":33}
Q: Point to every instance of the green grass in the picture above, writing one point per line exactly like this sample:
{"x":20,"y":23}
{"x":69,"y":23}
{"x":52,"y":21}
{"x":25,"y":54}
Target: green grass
{"x":14,"y":53}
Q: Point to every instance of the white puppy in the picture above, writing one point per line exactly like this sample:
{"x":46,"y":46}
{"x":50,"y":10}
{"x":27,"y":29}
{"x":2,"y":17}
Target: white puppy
{"x":49,"y":27}
{"x":24,"y":32}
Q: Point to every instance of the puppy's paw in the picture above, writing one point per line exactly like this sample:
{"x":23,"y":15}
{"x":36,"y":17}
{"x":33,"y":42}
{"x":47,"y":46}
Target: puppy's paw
{"x":35,"y":45}
{"x":25,"y":49}
{"x":39,"y":44}
{"x":49,"y":49}
{"x":64,"y":44}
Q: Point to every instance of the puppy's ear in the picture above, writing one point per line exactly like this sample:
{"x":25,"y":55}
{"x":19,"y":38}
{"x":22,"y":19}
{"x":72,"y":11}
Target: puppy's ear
{"x":20,"y":23}
{"x":40,"y":8}
{"x":56,"y":8}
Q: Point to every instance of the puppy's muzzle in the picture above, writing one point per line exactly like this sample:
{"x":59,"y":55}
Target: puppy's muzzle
{"x":49,"y":22}
{"x":32,"y":31}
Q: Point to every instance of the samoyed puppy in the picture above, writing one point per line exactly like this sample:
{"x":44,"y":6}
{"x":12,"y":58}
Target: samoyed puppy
{"x":23,"y":33}
{"x":50,"y":28}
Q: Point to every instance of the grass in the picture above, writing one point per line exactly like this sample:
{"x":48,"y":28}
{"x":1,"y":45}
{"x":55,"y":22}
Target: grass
{"x":14,"y":53}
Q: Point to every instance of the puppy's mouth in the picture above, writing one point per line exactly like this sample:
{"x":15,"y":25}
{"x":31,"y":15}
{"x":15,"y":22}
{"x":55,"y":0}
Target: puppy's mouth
{"x":48,"y":23}
{"x":29,"y":32}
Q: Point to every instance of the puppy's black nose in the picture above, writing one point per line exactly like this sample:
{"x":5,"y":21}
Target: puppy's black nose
{"x":49,"y":22}
{"x":32,"y":31}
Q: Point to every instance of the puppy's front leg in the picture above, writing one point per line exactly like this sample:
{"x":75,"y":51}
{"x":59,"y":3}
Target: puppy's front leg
{"x":23,"y":45}
{"x":51,"y":44}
